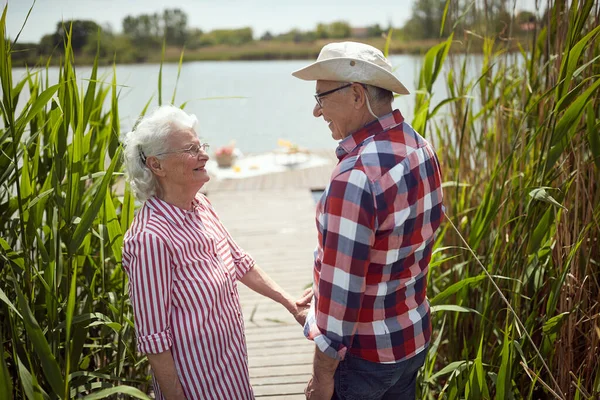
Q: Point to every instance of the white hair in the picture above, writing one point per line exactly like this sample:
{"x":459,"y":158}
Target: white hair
{"x":147,"y":138}
{"x":379,"y":95}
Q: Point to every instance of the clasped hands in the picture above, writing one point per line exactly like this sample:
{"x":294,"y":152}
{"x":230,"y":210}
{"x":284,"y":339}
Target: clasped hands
{"x":302,"y":305}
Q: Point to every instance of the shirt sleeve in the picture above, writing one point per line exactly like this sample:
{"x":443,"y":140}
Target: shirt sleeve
{"x":348,"y":232}
{"x":243,"y":261}
{"x":148,"y":262}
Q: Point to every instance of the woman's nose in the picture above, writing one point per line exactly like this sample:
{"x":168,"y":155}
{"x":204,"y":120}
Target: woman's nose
{"x":202,"y":153}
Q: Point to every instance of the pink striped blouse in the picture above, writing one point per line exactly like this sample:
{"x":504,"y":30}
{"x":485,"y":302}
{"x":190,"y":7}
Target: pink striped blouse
{"x":183,"y":268}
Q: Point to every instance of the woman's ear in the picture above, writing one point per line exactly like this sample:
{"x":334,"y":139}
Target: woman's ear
{"x":155,"y":166}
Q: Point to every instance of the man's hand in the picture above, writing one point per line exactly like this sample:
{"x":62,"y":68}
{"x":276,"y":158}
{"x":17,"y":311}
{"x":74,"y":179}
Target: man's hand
{"x":319,"y":388}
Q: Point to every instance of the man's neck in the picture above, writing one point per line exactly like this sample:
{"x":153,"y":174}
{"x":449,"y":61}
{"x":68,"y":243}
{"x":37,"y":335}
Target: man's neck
{"x":379,"y":112}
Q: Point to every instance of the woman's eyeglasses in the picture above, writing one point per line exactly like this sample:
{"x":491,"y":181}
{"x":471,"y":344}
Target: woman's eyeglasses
{"x":193,"y":150}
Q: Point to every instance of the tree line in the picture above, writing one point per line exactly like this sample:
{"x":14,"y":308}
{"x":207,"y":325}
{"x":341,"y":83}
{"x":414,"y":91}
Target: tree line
{"x":144,"y":34}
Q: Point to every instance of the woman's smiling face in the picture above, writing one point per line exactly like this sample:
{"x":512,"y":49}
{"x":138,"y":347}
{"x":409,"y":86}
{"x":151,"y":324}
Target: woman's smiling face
{"x":183,"y":168}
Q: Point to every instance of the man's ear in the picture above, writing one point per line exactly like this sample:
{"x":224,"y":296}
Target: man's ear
{"x":155,"y":166}
{"x":358,"y":94}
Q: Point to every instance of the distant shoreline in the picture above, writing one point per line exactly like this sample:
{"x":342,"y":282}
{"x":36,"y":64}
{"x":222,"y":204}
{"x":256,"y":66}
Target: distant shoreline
{"x":255,"y":51}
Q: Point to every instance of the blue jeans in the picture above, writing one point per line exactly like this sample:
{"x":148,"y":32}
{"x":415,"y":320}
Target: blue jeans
{"x":358,"y":379}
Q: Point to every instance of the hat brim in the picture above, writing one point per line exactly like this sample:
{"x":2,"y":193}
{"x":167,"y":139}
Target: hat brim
{"x":351,"y":70}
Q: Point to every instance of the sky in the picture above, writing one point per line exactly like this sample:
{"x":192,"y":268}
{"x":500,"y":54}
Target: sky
{"x":275,"y":16}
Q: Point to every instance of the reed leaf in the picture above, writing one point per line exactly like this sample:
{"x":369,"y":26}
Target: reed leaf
{"x":128,"y":390}
{"x":567,"y":124}
{"x":40,"y":102}
{"x":593,"y":133}
{"x":454,"y":288}
{"x":504,"y":381}
{"x":50,"y":366}
{"x":83,"y":227}
{"x":29,"y":383}
{"x":5,"y":378}
{"x":178,"y":75}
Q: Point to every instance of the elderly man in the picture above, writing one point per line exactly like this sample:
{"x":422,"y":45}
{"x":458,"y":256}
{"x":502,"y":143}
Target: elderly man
{"x":370,"y":317}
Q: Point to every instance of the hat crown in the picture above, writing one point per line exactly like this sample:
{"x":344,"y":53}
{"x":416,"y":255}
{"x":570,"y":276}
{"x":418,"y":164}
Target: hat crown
{"x":356,"y":51}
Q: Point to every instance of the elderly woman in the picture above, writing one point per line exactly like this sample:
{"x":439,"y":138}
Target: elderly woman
{"x":183,"y":267}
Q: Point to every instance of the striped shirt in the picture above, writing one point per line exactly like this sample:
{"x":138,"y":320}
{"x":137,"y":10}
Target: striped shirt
{"x":376,"y":221}
{"x":183,"y":268}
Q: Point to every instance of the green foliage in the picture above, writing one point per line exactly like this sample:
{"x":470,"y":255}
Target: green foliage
{"x":519,"y":150}
{"x":81,"y":32}
{"x":150,"y":29}
{"x":233,"y":37}
{"x":520,"y":153}
{"x":427,"y":16}
{"x":65,"y":320}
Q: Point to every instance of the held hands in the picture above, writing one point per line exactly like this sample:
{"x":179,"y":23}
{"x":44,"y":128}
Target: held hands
{"x":302,"y":305}
{"x":306,"y":298}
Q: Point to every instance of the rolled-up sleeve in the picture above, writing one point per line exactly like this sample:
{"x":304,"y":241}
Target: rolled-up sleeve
{"x":243,"y":261}
{"x":347,"y":226}
{"x":148,"y":261}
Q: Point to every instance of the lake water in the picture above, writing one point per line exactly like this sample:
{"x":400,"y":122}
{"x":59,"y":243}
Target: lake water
{"x":258,"y":102}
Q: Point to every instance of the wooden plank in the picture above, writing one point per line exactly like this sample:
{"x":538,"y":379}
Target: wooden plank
{"x":281,"y":389}
{"x":278,"y":380}
{"x":277,"y":360}
{"x":285,"y":349}
{"x":284,"y":370}
{"x":279,"y":343}
{"x":283,"y":397}
{"x":272,"y":218}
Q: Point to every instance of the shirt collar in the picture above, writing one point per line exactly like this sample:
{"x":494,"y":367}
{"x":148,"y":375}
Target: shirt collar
{"x":173,"y":213}
{"x":352,"y":141}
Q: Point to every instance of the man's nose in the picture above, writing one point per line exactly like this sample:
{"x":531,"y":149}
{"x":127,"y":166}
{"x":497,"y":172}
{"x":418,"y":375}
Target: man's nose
{"x":317,"y":111}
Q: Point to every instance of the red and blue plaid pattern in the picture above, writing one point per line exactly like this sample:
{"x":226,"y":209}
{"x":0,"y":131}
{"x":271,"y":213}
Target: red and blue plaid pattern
{"x":376,"y":223}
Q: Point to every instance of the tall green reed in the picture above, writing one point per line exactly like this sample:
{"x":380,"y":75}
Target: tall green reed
{"x":519,"y":149}
{"x":521,"y":156}
{"x":65,"y":320}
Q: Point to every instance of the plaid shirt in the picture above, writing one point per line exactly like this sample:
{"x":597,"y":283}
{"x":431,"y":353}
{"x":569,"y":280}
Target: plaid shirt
{"x":376,"y":223}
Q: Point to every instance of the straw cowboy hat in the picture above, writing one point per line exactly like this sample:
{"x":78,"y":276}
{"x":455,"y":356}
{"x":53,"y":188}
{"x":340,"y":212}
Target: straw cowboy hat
{"x":352,"y":62}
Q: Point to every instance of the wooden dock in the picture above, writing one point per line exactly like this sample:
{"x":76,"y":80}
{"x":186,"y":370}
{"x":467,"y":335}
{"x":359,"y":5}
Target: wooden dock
{"x":273,"y":218}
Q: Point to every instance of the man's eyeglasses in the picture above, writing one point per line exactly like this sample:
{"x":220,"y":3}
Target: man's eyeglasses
{"x":193,"y":150}
{"x":319,"y":96}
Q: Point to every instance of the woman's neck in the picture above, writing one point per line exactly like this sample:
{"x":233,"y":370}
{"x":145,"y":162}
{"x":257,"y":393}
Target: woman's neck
{"x":179,"y":197}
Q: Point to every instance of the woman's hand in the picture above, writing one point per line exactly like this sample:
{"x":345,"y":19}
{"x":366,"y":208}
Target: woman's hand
{"x":306,"y":298}
{"x":257,"y":280}
{"x":300,"y":314}
{"x":163,"y":367}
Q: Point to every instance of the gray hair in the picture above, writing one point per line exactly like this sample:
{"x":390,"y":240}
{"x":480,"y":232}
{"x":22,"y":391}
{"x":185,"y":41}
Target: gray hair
{"x":147,"y":138}
{"x":379,"y":95}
